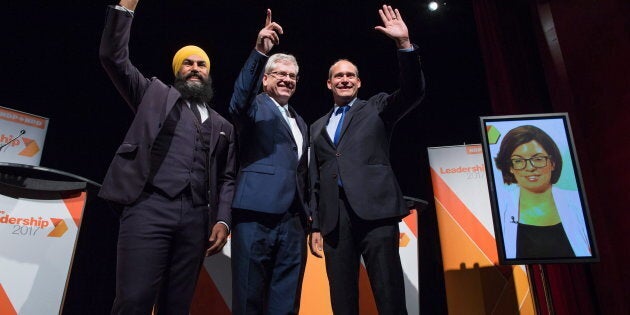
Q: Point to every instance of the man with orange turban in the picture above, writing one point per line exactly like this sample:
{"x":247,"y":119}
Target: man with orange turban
{"x":173,"y":175}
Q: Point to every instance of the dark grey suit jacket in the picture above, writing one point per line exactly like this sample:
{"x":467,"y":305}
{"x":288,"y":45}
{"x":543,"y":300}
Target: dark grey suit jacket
{"x":362,"y":154}
{"x":151,"y":101}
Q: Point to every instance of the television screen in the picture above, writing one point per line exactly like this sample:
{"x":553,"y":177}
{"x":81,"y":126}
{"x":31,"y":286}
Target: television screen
{"x":538,"y":202}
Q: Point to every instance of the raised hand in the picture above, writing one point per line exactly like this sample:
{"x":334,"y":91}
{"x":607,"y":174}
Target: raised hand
{"x":394,"y":26}
{"x":268,"y":36}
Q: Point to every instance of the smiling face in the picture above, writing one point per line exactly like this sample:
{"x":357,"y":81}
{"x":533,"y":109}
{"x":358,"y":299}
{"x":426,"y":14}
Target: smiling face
{"x":277,"y":83}
{"x":344,"y":82}
{"x":194,"y":70}
{"x":534,"y":179}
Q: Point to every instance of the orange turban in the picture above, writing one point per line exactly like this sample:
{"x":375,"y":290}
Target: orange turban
{"x":186,"y":52}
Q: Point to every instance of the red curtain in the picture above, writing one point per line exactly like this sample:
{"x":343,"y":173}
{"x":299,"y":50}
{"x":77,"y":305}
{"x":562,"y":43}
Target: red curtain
{"x":572,"y":56}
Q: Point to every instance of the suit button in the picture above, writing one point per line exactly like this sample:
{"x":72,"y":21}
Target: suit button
{"x":334,"y":176}
{"x":294,"y":148}
{"x":337,"y":154}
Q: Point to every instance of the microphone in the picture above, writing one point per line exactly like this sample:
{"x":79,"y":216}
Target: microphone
{"x":15,"y":138}
{"x":513,"y":221}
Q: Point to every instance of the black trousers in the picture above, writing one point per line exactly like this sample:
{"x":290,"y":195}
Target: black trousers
{"x":161,"y":246}
{"x":377,"y":241}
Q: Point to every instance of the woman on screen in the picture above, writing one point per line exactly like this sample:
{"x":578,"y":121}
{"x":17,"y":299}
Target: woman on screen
{"x":539,"y":221}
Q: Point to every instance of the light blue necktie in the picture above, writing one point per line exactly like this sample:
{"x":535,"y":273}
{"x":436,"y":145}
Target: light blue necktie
{"x":285,"y":114}
{"x":342,"y":110}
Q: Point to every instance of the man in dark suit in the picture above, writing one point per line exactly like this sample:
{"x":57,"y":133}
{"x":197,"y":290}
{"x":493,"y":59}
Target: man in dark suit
{"x":173,"y":173}
{"x":356,"y":201}
{"x":269,"y":211}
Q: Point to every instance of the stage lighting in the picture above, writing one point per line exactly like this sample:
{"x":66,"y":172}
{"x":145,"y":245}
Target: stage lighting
{"x":433,"y":6}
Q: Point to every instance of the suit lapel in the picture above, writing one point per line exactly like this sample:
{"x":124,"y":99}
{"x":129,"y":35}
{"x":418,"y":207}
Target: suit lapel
{"x":267,"y":101}
{"x":171,"y":100}
{"x":303,"y":128}
{"x":216,"y":129}
{"x":356,"y":107}
{"x":319,"y":128}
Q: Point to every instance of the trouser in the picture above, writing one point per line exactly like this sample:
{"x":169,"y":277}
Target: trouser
{"x":268,"y":261}
{"x":377,"y":241}
{"x":161,"y":245}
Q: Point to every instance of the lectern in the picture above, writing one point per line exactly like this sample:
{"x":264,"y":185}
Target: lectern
{"x":41,"y":212}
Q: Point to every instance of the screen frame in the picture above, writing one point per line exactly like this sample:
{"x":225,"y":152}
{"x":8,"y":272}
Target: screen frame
{"x":491,"y":174}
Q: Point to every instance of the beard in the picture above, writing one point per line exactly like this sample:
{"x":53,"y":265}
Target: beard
{"x":195,"y":91}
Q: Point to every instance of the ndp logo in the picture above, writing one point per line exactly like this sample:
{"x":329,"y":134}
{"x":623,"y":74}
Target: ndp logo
{"x":403,"y":240}
{"x":32,"y":226}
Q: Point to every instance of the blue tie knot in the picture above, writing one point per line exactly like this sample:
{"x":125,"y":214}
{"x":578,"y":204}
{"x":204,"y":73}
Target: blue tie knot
{"x":342,"y":110}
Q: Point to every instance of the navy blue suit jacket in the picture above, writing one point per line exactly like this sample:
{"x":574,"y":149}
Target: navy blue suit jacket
{"x":270,"y":173}
{"x":151,"y":101}
{"x":361,"y":157}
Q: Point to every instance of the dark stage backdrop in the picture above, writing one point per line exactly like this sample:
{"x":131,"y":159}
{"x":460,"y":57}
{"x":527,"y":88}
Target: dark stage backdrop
{"x":50,"y":67}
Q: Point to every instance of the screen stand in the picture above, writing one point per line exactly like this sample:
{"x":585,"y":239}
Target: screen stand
{"x":545,"y":285}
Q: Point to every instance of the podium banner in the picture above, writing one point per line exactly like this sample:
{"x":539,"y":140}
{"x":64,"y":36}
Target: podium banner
{"x":214,"y":288}
{"x":475,"y":282}
{"x":37,"y":241}
{"x":22,"y":135}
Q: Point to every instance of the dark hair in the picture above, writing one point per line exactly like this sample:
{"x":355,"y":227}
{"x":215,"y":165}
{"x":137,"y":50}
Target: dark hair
{"x":521,"y":135}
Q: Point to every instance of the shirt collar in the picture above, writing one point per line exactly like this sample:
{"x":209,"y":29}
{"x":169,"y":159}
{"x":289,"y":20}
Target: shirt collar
{"x":286,"y":107}
{"x":349,"y":105}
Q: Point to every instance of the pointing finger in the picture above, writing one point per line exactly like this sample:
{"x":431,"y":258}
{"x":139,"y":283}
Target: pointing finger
{"x":268,"y":19}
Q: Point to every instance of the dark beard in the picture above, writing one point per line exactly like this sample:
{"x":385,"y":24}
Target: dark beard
{"x":193,"y":91}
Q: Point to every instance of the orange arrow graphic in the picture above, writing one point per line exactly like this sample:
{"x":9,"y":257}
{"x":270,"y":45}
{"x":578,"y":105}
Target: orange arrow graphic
{"x":60,"y":227}
{"x":31,"y":147}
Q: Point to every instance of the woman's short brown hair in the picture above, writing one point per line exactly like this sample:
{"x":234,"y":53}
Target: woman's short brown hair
{"x":521,"y":135}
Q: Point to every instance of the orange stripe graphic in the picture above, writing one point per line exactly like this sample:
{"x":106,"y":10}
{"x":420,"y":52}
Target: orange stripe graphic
{"x":75,"y":207}
{"x":22,"y":118}
{"x":315,"y":295}
{"x":6,"y":307}
{"x":412,"y":222}
{"x":315,"y":291}
{"x":456,"y":208}
{"x":207,"y":297}
{"x":367,"y":305}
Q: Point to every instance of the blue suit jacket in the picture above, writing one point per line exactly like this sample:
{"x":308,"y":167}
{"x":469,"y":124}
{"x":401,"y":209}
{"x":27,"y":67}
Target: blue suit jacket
{"x":151,"y":100}
{"x":270,"y":173}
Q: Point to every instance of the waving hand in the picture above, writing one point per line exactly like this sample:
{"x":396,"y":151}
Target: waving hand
{"x":394,"y":26}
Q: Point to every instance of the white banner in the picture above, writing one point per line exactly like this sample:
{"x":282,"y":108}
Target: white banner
{"x":37,"y":241}
{"x":22,"y":136}
{"x":475,"y":283}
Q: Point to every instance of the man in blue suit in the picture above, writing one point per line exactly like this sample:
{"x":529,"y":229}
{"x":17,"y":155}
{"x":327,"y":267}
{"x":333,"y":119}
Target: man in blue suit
{"x":355,"y":198}
{"x":269,"y":212}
